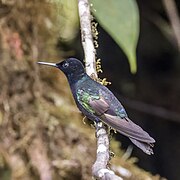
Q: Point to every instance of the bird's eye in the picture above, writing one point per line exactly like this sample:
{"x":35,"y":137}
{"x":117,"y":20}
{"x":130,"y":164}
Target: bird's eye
{"x":66,"y":64}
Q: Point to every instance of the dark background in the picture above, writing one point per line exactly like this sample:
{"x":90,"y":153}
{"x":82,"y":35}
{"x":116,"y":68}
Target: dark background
{"x":151,"y":96}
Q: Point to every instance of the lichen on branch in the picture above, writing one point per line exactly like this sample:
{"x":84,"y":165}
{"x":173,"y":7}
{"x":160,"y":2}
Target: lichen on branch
{"x":100,"y":167}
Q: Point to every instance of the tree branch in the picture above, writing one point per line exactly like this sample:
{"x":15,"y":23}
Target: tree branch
{"x":99,"y":169}
{"x":86,"y":37}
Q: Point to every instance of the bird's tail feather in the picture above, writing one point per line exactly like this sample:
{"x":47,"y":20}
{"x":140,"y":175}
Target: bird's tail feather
{"x":136,"y":134}
{"x":147,"y":148}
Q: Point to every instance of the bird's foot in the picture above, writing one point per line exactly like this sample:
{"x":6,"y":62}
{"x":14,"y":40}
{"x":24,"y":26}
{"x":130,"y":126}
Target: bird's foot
{"x":84,"y":120}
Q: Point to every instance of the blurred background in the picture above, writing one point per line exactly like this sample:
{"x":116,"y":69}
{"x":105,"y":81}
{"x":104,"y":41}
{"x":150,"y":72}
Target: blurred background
{"x":42,"y":135}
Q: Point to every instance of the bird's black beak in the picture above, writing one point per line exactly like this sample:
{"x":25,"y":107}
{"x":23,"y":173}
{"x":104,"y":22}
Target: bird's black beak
{"x":48,"y":64}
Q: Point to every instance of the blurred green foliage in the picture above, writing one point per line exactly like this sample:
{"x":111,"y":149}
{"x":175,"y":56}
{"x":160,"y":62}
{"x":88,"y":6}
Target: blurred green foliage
{"x":121,"y":20}
{"x":67,"y":18}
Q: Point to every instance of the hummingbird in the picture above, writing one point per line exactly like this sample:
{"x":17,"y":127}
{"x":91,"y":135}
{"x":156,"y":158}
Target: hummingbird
{"x":98,"y":103}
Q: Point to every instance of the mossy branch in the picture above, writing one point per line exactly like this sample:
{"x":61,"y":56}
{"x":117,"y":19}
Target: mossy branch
{"x":87,"y":38}
{"x":100,"y":168}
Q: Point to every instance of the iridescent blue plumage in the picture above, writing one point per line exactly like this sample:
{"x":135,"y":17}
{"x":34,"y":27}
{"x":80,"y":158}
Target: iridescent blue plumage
{"x":98,"y":103}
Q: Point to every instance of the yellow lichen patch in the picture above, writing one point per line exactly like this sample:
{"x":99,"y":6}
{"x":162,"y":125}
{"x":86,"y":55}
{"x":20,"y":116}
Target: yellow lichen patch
{"x":104,"y":81}
{"x":95,"y":32}
{"x":98,"y":66}
{"x":99,"y":70}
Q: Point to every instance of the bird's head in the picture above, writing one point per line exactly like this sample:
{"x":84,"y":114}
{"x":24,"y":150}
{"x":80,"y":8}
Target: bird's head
{"x":72,"y":67}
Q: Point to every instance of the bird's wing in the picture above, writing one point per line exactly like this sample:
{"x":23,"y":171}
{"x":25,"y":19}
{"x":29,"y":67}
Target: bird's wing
{"x":101,"y":108}
{"x":123,"y":125}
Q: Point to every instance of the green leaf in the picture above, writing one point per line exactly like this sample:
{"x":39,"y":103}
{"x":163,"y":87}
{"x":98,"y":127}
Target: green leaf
{"x":120,"y":18}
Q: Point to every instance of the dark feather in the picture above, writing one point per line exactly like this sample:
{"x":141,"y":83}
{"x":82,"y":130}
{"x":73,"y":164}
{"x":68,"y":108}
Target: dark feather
{"x":127,"y":128}
{"x":124,"y":126}
{"x":100,"y":106}
{"x":147,"y":148}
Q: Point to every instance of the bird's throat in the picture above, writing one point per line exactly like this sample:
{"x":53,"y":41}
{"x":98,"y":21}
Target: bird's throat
{"x":74,"y":78}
